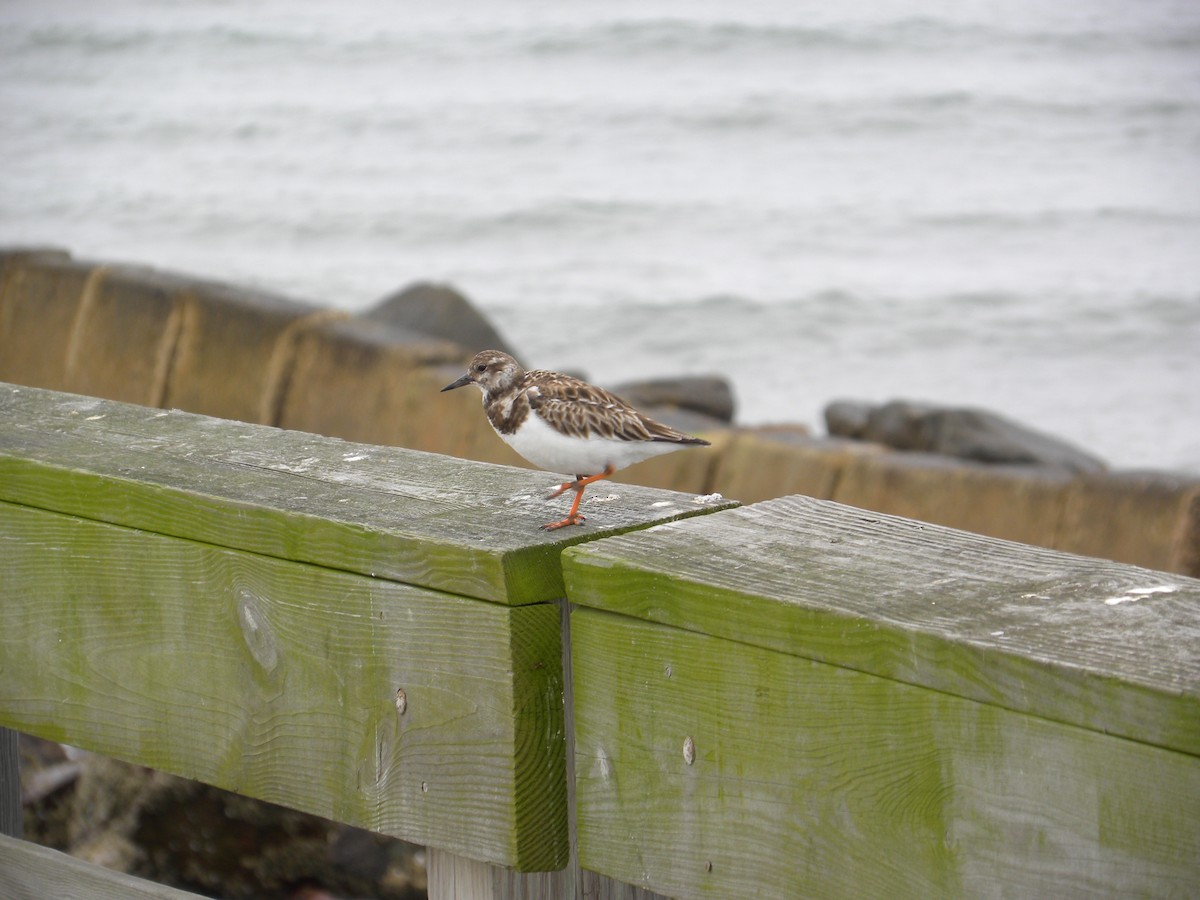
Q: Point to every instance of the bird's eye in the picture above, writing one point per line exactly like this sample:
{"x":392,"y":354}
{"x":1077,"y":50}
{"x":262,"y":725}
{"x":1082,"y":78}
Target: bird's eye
{"x":481,"y":368}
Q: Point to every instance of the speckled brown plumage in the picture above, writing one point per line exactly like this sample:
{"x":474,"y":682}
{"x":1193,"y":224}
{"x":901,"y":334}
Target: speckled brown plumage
{"x":571,"y":406}
{"x":579,"y":409}
{"x":566,"y":425}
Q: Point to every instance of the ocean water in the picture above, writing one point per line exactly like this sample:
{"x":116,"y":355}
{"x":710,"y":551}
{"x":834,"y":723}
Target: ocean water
{"x":992,"y":204}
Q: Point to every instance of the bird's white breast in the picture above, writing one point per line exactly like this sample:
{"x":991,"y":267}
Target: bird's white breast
{"x":554,"y":451}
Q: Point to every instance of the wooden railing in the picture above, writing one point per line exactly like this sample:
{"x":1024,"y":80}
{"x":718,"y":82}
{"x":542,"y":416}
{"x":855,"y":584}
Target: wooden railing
{"x":793,"y":698}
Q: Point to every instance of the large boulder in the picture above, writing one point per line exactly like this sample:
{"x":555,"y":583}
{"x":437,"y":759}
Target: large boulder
{"x":991,"y":438}
{"x":709,"y":395}
{"x":901,"y":425}
{"x":965,"y":433}
{"x":440,"y":311}
{"x":847,"y":418}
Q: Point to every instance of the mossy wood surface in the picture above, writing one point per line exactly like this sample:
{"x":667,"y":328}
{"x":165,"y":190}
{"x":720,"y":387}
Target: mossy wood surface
{"x":1105,"y":646}
{"x":32,"y":872}
{"x":280,"y":680}
{"x":813,"y":780}
{"x":420,"y":518}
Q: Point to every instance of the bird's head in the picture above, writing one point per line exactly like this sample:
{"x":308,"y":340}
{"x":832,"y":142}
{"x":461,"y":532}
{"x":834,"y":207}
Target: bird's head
{"x":491,"y":370}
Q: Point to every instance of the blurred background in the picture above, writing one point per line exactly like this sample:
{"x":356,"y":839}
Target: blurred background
{"x":956,"y":201}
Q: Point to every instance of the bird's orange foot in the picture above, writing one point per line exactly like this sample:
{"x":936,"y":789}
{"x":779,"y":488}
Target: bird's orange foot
{"x":574,"y":517}
{"x":577,"y":519}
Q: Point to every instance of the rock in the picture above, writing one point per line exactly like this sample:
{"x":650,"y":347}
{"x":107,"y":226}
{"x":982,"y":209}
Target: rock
{"x":685,"y":420}
{"x":439,"y":311}
{"x":847,"y":418}
{"x":709,"y":395}
{"x":899,"y":424}
{"x":988,"y":437}
{"x":965,"y":433}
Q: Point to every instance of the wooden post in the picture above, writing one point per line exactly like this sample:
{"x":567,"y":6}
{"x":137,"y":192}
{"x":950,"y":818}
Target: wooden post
{"x":456,"y":878}
{"x":453,"y":877}
{"x":10,"y":783}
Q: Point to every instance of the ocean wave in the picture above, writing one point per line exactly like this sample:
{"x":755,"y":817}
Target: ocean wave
{"x":607,"y":37}
{"x":790,"y":113}
{"x":205,"y":39}
{"x":636,"y":37}
{"x":631,"y":37}
{"x":587,"y":219}
{"x":1031,"y":219}
{"x":525,"y":123}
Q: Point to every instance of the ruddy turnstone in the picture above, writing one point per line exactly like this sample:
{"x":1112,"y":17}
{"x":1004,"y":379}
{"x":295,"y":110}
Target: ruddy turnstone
{"x":562,"y":424}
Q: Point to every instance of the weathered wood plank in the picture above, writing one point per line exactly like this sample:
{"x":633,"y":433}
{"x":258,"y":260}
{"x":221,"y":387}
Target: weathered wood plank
{"x":1102,"y":645}
{"x":281,"y":680}
{"x":420,"y":518}
{"x":710,"y":768}
{"x":455,"y":878}
{"x":31,"y":872}
{"x":10,"y":783}
{"x":601,"y":887}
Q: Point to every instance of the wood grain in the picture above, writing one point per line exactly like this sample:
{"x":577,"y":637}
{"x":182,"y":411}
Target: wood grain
{"x":812,"y":780}
{"x":435,"y":521}
{"x":456,"y":878}
{"x":11,"y":822}
{"x":1102,"y":645}
{"x":280,"y":680}
{"x":31,"y":872}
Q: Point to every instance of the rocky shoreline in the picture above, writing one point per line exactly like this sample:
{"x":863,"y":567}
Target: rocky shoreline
{"x":704,"y":403}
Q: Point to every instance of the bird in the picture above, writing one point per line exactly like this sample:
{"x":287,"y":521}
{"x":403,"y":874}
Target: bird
{"x":563,"y":424}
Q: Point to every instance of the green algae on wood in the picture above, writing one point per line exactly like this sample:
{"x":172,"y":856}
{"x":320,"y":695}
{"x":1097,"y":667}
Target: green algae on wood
{"x":1102,"y":645}
{"x":710,"y":768}
{"x":421,"y":518}
{"x":399,"y":709}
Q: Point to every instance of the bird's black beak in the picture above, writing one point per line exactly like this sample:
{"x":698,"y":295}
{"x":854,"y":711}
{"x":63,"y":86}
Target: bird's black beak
{"x":457,"y":383}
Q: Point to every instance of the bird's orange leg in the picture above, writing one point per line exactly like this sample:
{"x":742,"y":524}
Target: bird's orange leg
{"x":573,"y":517}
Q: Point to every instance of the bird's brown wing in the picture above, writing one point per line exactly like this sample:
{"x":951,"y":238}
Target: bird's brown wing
{"x":579,"y":409}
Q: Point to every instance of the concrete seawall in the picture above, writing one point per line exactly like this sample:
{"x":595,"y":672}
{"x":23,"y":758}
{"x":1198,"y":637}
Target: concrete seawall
{"x":171,"y":341}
